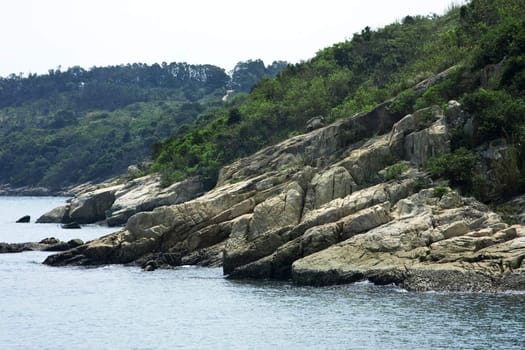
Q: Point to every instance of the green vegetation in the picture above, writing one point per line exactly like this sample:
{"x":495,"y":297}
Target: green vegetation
{"x":394,"y":171}
{"x":459,"y":167}
{"x":440,"y":191}
{"x":67,"y":127}
{"x":483,"y":40}
{"x":247,"y":74}
{"x":508,"y":212}
{"x":340,"y":81}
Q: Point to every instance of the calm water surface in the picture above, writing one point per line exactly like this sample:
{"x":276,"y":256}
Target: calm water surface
{"x":116,"y":307}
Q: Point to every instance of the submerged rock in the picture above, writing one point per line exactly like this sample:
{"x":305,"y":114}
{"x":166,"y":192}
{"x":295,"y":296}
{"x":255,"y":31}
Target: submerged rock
{"x":71,"y":225}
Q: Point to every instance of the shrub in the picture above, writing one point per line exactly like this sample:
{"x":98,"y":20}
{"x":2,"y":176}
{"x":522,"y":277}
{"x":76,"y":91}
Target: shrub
{"x":509,"y":213}
{"x":404,"y":103}
{"x":440,"y":191}
{"x":393,"y":172}
{"x":496,"y":113}
{"x":458,"y":167}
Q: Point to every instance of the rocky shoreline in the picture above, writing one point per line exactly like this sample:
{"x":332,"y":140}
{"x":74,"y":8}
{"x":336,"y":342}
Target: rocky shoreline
{"x":114,"y":201}
{"x":322,"y":208}
{"x":7,"y":190}
{"x":50,"y":244}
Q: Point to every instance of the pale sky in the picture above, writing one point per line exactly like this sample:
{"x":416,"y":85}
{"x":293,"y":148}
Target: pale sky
{"x":37,"y":35}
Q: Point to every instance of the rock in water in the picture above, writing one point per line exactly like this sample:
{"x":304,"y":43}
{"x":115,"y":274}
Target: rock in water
{"x":50,"y":244}
{"x":24,"y":219}
{"x":55,"y":216}
{"x":71,"y":225}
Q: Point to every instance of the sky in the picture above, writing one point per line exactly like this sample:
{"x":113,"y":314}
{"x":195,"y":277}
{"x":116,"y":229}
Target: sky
{"x":38,"y":35}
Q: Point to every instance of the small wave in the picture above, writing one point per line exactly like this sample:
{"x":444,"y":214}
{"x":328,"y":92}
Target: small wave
{"x":363,"y":282}
{"x":513,"y":292}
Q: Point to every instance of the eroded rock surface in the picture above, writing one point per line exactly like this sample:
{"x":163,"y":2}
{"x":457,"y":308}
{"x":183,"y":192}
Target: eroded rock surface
{"x":317,"y":209}
{"x":115,"y":201}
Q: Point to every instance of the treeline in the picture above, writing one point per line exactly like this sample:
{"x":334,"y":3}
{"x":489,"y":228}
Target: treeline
{"x":77,"y":125}
{"x":115,"y":86}
{"x":246,"y":75}
{"x":484,"y":39}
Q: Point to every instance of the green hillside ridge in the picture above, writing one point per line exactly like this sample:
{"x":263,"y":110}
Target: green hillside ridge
{"x":483,"y":40}
{"x":67,"y":127}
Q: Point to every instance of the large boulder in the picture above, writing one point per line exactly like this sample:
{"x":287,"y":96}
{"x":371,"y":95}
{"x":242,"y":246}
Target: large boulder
{"x":92,"y":206}
{"x":334,"y":183}
{"x":57,"y":215}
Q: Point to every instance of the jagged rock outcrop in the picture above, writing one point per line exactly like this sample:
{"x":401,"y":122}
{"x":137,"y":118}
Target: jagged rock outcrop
{"x":316,"y":209}
{"x":447,"y":243}
{"x":116,"y":200}
{"x":146,"y":194}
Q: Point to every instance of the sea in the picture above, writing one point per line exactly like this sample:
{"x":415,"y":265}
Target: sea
{"x":122,"y":307}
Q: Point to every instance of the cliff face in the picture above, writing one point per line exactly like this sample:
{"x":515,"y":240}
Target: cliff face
{"x":324,"y":208}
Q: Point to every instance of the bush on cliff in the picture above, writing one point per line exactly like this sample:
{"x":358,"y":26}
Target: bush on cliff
{"x":459,"y":167}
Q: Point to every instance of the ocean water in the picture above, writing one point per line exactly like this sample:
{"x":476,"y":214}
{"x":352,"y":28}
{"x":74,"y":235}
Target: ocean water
{"x":117,"y":307}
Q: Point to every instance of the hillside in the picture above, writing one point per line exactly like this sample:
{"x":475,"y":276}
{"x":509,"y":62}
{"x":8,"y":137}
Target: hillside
{"x":484,"y":41}
{"x":67,"y":127}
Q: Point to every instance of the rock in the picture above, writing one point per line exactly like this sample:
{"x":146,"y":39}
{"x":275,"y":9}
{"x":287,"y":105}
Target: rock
{"x":501,"y":174}
{"x":150,"y":266}
{"x":420,"y":136}
{"x":154,"y":261}
{"x":318,"y":148}
{"x":16,"y":247}
{"x":59,"y":246}
{"x":146,"y":194}
{"x":115,"y":201}
{"x":425,"y":84}
{"x":8,"y":190}
{"x":92,"y":206}
{"x":282,"y":210}
{"x":334,"y":183}
{"x":429,"y":250}
{"x":364,"y":163}
{"x":47,"y":244}
{"x":514,"y":209}
{"x":315,"y":209}
{"x":71,"y":225}
{"x":56,"y":215}
{"x":315,"y":123}
{"x":49,"y":240}
{"x":24,"y":219}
